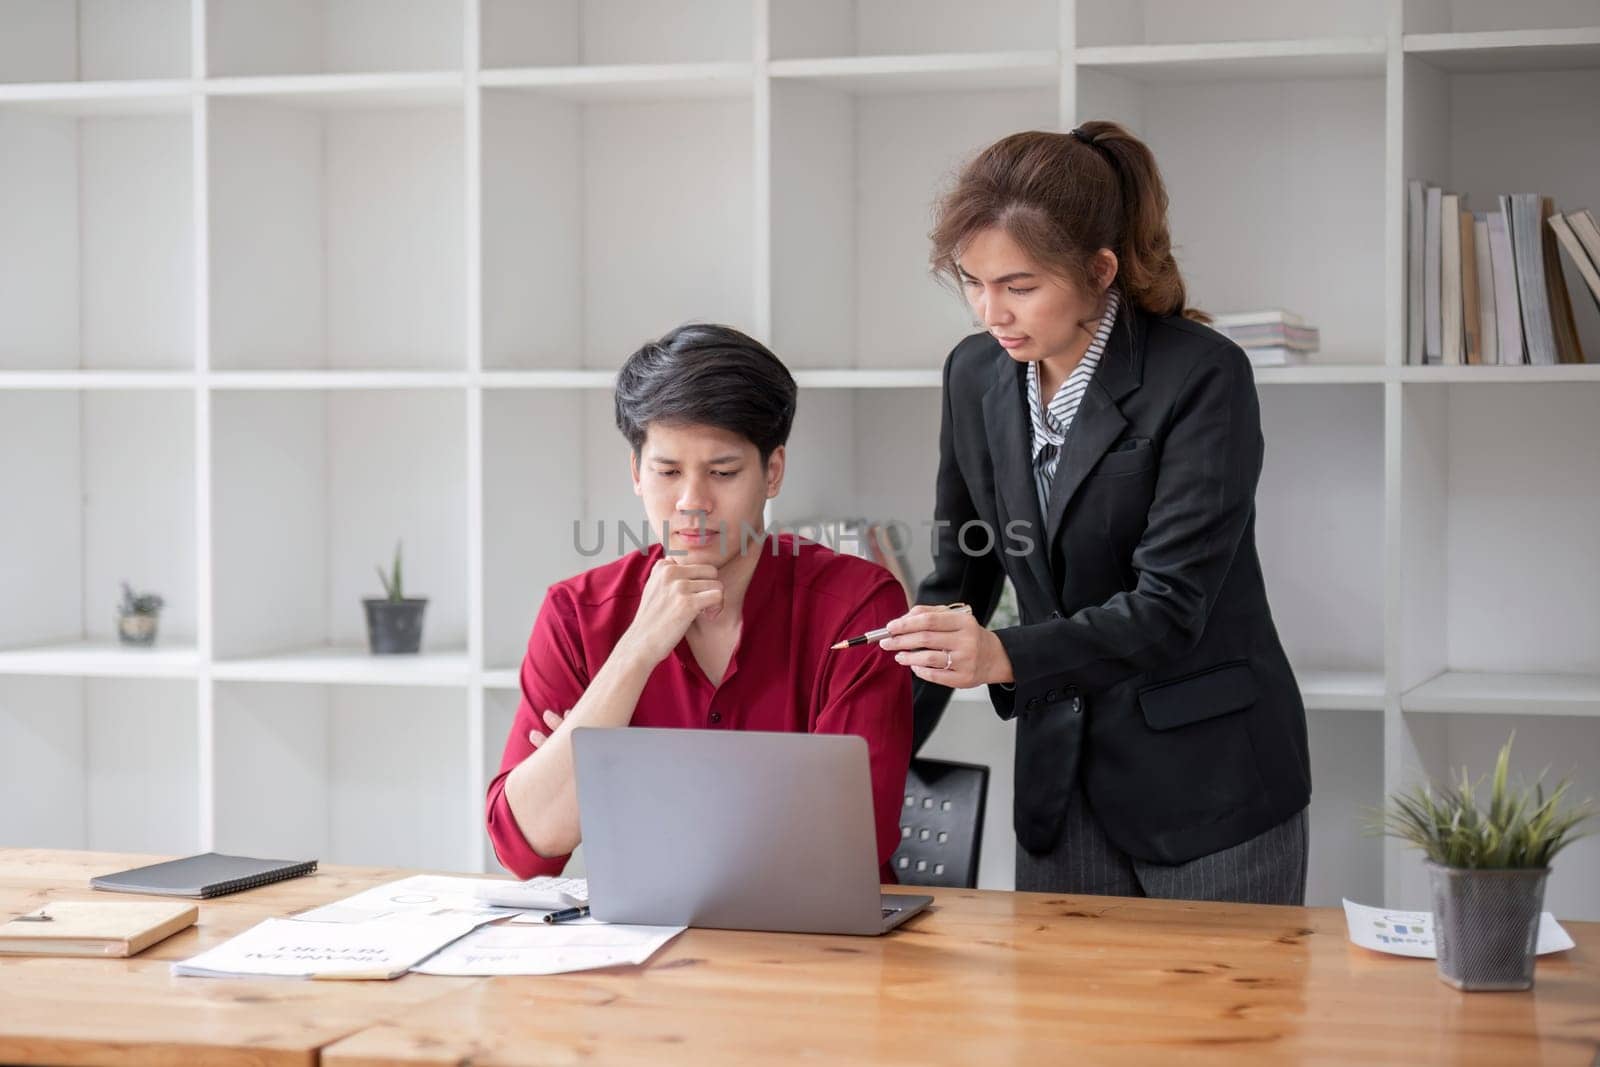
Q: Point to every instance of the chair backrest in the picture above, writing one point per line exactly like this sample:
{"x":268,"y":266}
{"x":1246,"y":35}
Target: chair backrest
{"x":941,"y":824}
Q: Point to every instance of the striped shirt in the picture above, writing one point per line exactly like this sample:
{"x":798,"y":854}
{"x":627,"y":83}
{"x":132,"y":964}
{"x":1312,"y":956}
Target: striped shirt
{"x":1051,"y":423}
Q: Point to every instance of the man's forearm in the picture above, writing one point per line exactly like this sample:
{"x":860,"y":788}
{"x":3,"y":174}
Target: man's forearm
{"x":542,"y":790}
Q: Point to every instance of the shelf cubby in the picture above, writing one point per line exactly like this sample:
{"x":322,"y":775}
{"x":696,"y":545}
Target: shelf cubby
{"x":1104,"y":23}
{"x":1499,"y":534}
{"x":337,"y":235}
{"x":1440,"y":744}
{"x":103,"y":764}
{"x":1277,"y":194}
{"x":1485,"y":131}
{"x":854,"y":179}
{"x":110,"y":497}
{"x":266,"y":37}
{"x":311,"y":491}
{"x":1321,"y":543}
{"x":1548,"y":17}
{"x":568,"y":33}
{"x":96,"y":234}
{"x":339,"y":793}
{"x":624,"y":235}
{"x":802,"y":29}
{"x":94,"y":40}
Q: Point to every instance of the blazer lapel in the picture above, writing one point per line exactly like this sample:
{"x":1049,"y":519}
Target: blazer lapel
{"x":1010,"y":446}
{"x":1099,"y":421}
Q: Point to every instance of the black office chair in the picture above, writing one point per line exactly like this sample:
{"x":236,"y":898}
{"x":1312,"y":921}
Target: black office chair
{"x":941,"y":824}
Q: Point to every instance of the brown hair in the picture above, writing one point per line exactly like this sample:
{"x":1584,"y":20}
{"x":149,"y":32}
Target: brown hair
{"x":1063,"y":197}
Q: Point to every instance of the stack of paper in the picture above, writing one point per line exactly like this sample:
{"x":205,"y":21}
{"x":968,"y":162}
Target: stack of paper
{"x":430,"y":924}
{"x":530,"y":946}
{"x":291,"y":948}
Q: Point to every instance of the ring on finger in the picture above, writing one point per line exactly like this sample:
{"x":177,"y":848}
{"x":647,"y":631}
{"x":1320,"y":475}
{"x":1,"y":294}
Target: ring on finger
{"x":949,"y":659}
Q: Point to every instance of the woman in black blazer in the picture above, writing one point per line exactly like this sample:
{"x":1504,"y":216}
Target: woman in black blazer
{"x":1100,"y":447}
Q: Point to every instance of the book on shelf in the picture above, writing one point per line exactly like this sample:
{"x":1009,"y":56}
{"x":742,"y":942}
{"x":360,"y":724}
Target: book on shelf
{"x":1271,"y":338}
{"x":1275,"y":356}
{"x":1507,"y":307}
{"x":1303,"y":338}
{"x":1491,"y":288}
{"x":1568,"y":348}
{"x":1450,"y":280}
{"x":1432,"y":347}
{"x":1415,"y":231}
{"x":1527,"y":248}
{"x":1567,"y":236}
{"x":1227,"y":320}
{"x":1488,"y":328}
{"x":1471,"y":346}
{"x":1587,"y":231}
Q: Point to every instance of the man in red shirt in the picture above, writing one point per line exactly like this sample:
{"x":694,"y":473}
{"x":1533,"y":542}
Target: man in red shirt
{"x":721,"y":626}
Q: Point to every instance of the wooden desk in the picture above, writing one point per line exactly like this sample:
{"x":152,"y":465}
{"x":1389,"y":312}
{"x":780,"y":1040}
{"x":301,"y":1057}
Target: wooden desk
{"x":94,"y":1011}
{"x":1002,"y":978}
{"x":984,"y":978}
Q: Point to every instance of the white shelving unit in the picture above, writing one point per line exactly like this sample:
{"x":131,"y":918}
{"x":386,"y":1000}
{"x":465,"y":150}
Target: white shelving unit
{"x":280,"y":285}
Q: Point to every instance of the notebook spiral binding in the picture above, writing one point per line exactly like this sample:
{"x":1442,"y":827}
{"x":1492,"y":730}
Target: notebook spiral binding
{"x":254,"y":881}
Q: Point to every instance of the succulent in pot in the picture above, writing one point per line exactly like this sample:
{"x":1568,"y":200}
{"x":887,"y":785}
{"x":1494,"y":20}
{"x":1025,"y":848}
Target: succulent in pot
{"x":394,"y":620}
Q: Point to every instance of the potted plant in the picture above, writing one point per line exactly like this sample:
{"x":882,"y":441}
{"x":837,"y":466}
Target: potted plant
{"x":1488,"y":870}
{"x":138,"y":617}
{"x":394,"y":621}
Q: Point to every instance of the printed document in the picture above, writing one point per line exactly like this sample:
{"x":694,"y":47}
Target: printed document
{"x":1410,"y":933}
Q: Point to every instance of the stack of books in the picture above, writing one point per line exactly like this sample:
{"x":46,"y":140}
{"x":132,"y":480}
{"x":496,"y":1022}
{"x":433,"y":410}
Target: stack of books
{"x":1273,"y":338}
{"x":1488,"y":287}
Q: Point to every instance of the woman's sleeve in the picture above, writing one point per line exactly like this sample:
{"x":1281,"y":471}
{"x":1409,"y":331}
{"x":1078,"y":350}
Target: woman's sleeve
{"x":956,"y":577}
{"x":1204,"y":501}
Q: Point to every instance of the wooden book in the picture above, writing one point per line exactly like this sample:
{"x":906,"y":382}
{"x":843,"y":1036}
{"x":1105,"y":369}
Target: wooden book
{"x":94,"y":928}
{"x":1564,"y":326}
{"x":1470,"y":312}
{"x":1575,"y":251}
{"x":1587,"y":232}
{"x":1488,"y":324}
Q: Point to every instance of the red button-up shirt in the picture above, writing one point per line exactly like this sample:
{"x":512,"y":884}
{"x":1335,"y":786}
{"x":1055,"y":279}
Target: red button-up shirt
{"x":802,"y":598}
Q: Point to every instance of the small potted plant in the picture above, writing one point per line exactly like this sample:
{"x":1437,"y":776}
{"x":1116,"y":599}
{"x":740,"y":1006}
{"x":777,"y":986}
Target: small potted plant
{"x":394,"y":621}
{"x":138,"y":617}
{"x":1488,"y":870}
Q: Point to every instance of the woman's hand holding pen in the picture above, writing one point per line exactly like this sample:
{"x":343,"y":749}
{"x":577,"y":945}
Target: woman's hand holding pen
{"x":948,"y":647}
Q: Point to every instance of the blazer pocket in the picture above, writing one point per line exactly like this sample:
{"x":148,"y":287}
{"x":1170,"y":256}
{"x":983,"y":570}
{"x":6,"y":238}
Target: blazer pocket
{"x":1194,"y":697}
{"x":1132,"y":456}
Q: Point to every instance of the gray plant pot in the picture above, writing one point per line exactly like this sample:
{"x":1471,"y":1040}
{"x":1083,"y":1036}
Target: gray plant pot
{"x":134,"y":629}
{"x":1486,"y":925}
{"x":394,"y":627}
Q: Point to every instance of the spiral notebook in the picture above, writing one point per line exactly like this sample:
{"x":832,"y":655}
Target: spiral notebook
{"x":210,"y":874}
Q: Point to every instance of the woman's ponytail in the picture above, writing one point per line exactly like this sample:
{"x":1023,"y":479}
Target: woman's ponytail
{"x":1147,"y":269}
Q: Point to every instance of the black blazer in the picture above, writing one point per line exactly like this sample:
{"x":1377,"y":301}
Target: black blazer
{"x":1147,"y":661}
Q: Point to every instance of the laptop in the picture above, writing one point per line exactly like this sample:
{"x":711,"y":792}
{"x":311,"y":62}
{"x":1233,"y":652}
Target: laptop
{"x":733,"y":830}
